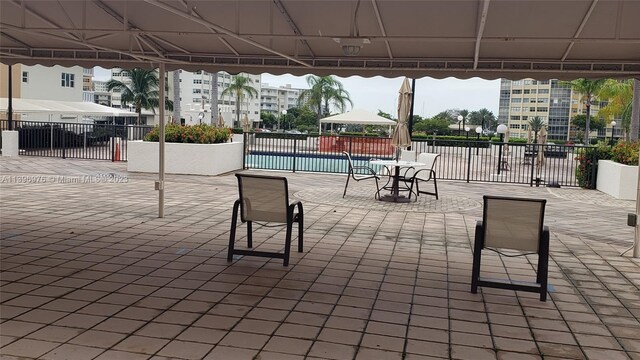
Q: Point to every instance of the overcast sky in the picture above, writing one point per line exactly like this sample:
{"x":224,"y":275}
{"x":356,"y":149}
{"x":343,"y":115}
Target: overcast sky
{"x":379,"y":93}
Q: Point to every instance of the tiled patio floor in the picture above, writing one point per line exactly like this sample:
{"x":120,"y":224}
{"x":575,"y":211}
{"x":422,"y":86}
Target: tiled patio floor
{"x":88,"y":272}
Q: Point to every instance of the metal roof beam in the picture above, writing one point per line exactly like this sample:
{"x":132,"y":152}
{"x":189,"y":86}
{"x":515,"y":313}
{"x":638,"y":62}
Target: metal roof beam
{"x":292,"y":24}
{"x":483,"y":21}
{"x":381,"y":26}
{"x":585,"y":18}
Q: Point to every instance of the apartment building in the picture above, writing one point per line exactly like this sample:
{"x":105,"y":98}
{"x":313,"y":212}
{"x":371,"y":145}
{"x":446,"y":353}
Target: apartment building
{"x":275,"y":99}
{"x":551,"y":100}
{"x":101,"y":95}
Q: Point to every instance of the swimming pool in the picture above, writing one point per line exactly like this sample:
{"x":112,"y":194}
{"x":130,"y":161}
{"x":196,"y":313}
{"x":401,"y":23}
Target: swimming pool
{"x":329,"y":164}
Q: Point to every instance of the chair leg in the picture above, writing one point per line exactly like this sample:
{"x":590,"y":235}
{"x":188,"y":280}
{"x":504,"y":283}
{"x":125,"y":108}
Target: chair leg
{"x":287,"y":244}
{"x":477,"y":256}
{"x":249,"y":234}
{"x":347,"y":184}
{"x":543,"y":266}
{"x":232,"y":232}
{"x":435,"y":185}
{"x":300,"y":228}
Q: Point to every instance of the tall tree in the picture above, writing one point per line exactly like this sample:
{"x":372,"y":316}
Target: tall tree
{"x":176,"y":96}
{"x":619,"y":95}
{"x":322,"y":93}
{"x":589,"y":90}
{"x":635,"y":110}
{"x":142,"y":92}
{"x":536,"y":124}
{"x":240,"y":88}
{"x":214,"y":98}
{"x":483,"y":117}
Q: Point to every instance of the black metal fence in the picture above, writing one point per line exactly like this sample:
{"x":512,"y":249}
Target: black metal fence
{"x":466,"y":160}
{"x":75,"y":140}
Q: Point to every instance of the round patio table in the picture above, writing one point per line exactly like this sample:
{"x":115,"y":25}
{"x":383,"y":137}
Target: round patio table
{"x":395,"y":196}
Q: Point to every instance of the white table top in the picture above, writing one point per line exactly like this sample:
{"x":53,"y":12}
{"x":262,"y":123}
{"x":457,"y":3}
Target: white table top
{"x":396,"y":163}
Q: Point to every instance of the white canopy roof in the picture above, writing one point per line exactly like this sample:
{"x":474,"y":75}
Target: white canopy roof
{"x":562,"y":39}
{"x":27,"y":106}
{"x":358,"y":116}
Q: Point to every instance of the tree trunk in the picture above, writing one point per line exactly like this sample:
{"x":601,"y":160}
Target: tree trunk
{"x":635,"y":111}
{"x":237,"y":110}
{"x":176,"y":96}
{"x":214,"y":98}
{"x":586,"y":123}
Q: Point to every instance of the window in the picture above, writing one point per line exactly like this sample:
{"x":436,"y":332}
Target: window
{"x":514,"y":126}
{"x":527,"y":82}
{"x":532,"y":109}
{"x":527,"y":91}
{"x":515,"y":117}
{"x":525,"y":118}
{"x":525,"y":100}
{"x":516,"y":91}
{"x":543,"y":109}
{"x":197,"y":91}
{"x":197,"y":100}
{"x":25,"y":76}
{"x":197,"y":81}
{"x":68,"y":80}
{"x":544,"y":82}
{"x":517,"y":83}
{"x":543,"y":91}
{"x":543,"y":100}
{"x":516,"y":109}
{"x":533,"y":91}
{"x":516,"y":100}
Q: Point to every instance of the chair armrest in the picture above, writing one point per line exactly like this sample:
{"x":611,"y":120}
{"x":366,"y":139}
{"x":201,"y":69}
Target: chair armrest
{"x":432,"y":173}
{"x":370,"y":170}
{"x":292,"y":206}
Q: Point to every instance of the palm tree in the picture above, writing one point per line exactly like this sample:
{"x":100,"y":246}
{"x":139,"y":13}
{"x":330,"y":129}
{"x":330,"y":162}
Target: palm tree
{"x":240,"y":87}
{"x":322,"y":93}
{"x":142,"y":92}
{"x":536,"y":124}
{"x":619,"y":95}
{"x":483,"y":117}
{"x":589,"y":90}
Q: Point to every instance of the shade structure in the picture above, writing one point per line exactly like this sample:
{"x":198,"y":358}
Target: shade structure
{"x":80,"y":108}
{"x":246,"y":124}
{"x":220,"y":120}
{"x":401,"y":137}
{"x":490,"y":39}
{"x":542,"y":139}
{"x":359,"y":117}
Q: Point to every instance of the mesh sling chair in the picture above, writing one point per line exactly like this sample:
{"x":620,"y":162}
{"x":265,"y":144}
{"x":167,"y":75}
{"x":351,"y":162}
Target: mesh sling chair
{"x":352,"y":175}
{"x":517,"y":224}
{"x":266,"y":199}
{"x":424,"y":173}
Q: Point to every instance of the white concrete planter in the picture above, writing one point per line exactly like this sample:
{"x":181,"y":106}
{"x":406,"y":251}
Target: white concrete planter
{"x":617,"y":180}
{"x":238,"y":138}
{"x":9,"y":143}
{"x":186,"y":159}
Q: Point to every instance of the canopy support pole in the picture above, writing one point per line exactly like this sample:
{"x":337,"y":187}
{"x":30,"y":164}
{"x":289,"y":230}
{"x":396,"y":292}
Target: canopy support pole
{"x":10,"y":100}
{"x":160,"y":182}
{"x":636,"y":246}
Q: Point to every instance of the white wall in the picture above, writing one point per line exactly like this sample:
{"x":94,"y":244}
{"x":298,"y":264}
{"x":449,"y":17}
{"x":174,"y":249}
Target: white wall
{"x":45,"y":83}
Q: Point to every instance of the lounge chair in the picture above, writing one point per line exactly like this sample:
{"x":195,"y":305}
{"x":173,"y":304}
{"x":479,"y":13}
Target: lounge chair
{"x":266,"y":199}
{"x":352,"y":174}
{"x":516,"y":224}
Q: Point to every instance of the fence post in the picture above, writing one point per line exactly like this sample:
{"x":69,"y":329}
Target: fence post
{"x":64,"y":143}
{"x":533,"y":161}
{"x":594,"y":171}
{"x":468,"y":161}
{"x":113,"y":142}
{"x":245,"y":139}
{"x":295,"y":148}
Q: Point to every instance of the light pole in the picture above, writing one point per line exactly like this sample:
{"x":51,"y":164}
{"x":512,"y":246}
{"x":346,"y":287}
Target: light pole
{"x":613,"y":128}
{"x":281,"y":115}
{"x":466,"y":129}
{"x":478,"y":131}
{"x":502,"y":129}
{"x":463,"y":120}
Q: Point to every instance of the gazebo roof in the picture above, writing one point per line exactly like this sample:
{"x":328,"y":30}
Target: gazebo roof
{"x":358,"y":116}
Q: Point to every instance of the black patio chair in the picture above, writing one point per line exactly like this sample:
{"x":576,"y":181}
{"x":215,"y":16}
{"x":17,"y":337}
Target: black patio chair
{"x":425,"y":173}
{"x":352,"y":174}
{"x":516,"y":224}
{"x":265,"y":199}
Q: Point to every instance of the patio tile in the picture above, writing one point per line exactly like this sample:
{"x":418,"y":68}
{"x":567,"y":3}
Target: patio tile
{"x":100,"y":339}
{"x":244,"y":340}
{"x":160,"y":330}
{"x":288,"y":345}
{"x":121,"y":355}
{"x":298,"y":331}
{"x":185,"y":350}
{"x":54,"y":333}
{"x":427,"y":348}
{"x":29,"y":348}
{"x":335,"y":351}
{"x":471,"y":353}
{"x":231,"y":353}
{"x":69,"y":351}
{"x":203,"y":335}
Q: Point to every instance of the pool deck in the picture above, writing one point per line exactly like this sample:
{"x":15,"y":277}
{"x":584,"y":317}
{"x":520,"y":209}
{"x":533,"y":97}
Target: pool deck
{"x":89,"y":272}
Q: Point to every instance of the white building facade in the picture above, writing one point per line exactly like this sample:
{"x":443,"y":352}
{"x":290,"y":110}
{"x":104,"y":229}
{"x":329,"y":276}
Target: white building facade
{"x":275,"y":99}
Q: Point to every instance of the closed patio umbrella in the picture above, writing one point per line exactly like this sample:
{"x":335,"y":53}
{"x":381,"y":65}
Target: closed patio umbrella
{"x":401,"y":137}
{"x":542,"y":139}
{"x":220,"y":120}
{"x":246,"y":124}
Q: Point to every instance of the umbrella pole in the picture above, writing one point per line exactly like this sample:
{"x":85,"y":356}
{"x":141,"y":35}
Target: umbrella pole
{"x":413,"y":97}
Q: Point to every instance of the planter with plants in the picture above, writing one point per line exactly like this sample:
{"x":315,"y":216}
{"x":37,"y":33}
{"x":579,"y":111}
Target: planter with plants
{"x":190,"y":150}
{"x":618,"y":175}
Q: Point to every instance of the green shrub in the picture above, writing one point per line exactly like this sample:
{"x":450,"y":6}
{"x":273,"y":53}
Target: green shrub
{"x":625,"y":152}
{"x":587,"y":159}
{"x":195,"y":134}
{"x":238,"y":131}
